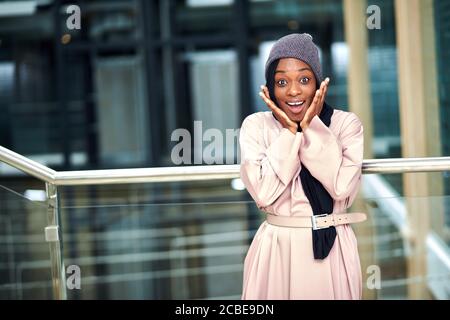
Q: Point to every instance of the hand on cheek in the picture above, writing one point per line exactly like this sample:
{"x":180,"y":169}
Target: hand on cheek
{"x":316,"y":105}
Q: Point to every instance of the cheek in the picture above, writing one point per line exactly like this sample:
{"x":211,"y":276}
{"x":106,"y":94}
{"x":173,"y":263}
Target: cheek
{"x":311,"y":91}
{"x":278,"y":93}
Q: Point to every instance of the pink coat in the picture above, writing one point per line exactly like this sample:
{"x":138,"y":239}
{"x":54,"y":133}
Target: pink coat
{"x":279,"y":263}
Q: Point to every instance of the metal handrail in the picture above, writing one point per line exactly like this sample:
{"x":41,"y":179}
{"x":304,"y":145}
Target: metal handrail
{"x":26,"y":165}
{"x":191,"y":173}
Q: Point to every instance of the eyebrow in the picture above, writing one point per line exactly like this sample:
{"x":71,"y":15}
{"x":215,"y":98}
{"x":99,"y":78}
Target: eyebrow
{"x":300,"y":70}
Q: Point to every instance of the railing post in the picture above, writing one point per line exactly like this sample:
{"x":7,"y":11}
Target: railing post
{"x":54,"y":238}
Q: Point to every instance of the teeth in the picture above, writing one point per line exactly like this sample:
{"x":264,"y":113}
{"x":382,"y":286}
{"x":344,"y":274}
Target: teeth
{"x":296,"y":103}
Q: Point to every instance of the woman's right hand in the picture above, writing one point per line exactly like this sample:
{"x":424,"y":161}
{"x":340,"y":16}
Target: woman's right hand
{"x":281,"y":116}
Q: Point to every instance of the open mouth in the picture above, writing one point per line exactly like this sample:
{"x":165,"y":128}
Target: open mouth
{"x":296,"y":106}
{"x":296,"y":103}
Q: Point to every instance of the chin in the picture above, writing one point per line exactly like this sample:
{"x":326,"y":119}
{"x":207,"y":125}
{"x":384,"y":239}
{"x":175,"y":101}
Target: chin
{"x":298,"y":120}
{"x":296,"y":117}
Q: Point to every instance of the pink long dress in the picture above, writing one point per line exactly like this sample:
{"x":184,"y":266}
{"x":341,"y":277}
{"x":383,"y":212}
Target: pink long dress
{"x":279,"y":263}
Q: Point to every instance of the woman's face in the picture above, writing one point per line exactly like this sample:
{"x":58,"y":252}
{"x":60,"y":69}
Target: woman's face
{"x":295,"y":86}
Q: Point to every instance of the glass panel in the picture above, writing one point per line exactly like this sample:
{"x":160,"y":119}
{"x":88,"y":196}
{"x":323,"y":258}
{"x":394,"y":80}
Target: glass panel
{"x":16,"y":181}
{"x":400,"y":265}
{"x":406,"y":239}
{"x":161,"y":241}
{"x":24,"y":255}
{"x":189,"y":240}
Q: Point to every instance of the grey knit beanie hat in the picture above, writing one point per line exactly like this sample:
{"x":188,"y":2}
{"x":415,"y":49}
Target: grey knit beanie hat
{"x":300,"y":46}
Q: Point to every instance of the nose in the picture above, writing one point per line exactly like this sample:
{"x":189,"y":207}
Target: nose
{"x":294,"y":90}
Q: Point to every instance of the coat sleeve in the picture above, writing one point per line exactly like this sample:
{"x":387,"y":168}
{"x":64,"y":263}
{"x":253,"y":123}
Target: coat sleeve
{"x":266,"y":171}
{"x":335,"y":161}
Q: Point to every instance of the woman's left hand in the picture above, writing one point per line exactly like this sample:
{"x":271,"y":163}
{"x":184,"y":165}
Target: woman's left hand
{"x":316,"y":105}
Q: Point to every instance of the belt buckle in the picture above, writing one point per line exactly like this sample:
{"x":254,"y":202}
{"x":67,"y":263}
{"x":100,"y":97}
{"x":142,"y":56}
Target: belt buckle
{"x":314,"y":222}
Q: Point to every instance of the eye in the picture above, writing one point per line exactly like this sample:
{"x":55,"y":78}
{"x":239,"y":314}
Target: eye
{"x":304,"y":80}
{"x":281,"y":82}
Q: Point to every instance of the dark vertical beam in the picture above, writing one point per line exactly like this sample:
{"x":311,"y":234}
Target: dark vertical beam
{"x":168,"y":62}
{"x":92,"y":145}
{"x":186,"y":107}
{"x":148,"y":20}
{"x":7,"y":100}
{"x":60,"y":96}
{"x":90,"y":111}
{"x":156,"y":116}
{"x":241,"y":36}
{"x":328,"y":41}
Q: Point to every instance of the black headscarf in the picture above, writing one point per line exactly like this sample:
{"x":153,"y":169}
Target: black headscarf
{"x":320,"y":200}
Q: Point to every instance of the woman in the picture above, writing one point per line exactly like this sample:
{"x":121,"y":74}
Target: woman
{"x":300,"y":160}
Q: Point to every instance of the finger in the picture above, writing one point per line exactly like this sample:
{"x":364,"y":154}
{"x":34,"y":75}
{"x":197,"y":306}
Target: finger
{"x":318,"y":97}
{"x":264,"y":98}
{"x":325,"y":84}
{"x":324,"y":91}
{"x":313,"y":106}
{"x":269,"y":102}
{"x":266,"y":91}
{"x":323,"y":87}
{"x":322,"y":84}
{"x":280,"y":114}
{"x":319,"y":103}
{"x":311,"y":111}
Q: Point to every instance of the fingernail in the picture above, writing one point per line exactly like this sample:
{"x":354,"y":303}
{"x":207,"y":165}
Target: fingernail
{"x":260,"y":93}
{"x":262,"y":87}
{"x":327,"y":79}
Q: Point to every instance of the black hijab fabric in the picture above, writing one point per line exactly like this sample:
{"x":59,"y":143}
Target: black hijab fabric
{"x":320,"y":200}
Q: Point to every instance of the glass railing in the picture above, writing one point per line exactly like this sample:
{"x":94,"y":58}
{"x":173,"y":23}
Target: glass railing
{"x":24,"y":254}
{"x":129,"y":246}
{"x":157,"y":241}
{"x":158,"y":251}
{"x":404,"y":253}
{"x":187,"y":238}
{"x":125,"y":246}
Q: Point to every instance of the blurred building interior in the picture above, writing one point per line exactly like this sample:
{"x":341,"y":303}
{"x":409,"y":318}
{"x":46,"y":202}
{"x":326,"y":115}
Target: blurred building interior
{"x":110,"y":94}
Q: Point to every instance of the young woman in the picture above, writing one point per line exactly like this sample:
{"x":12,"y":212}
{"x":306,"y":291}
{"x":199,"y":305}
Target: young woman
{"x":301,"y":163}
